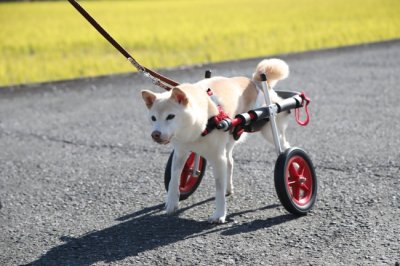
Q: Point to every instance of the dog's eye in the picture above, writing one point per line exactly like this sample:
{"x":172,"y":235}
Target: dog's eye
{"x":153,"y":118}
{"x":170,"y":117}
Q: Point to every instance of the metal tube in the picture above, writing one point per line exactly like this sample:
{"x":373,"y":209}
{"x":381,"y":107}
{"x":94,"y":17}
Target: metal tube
{"x":272,"y":112}
{"x":289,"y":103}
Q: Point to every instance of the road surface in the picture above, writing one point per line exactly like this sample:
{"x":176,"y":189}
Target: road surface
{"x":81,"y":182}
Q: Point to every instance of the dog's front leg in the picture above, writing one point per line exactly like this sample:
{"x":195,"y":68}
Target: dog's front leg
{"x":220,"y":174}
{"x":172,"y":202}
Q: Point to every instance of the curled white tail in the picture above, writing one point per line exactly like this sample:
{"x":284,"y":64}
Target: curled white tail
{"x":275,"y":69}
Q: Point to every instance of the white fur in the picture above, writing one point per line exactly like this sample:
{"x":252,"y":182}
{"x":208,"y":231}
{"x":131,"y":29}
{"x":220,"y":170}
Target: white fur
{"x":192,"y":107}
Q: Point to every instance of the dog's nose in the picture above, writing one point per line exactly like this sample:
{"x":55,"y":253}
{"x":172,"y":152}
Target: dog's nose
{"x":156,"y":135}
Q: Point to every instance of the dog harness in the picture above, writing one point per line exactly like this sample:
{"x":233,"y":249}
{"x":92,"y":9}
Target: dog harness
{"x":215,"y":120}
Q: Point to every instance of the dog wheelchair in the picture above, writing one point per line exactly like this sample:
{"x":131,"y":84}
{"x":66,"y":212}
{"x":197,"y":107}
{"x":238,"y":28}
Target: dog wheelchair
{"x":294,"y":174}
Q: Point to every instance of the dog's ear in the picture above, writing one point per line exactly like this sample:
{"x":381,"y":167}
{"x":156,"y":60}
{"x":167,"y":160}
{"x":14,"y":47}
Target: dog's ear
{"x":179,"y":96}
{"x":148,"y":97}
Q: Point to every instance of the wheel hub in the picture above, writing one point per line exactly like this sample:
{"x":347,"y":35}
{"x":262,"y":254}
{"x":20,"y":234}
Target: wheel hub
{"x":299,"y":181}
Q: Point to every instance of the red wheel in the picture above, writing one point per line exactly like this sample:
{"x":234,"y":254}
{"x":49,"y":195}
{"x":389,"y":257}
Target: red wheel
{"x":190,"y":179}
{"x":295,"y":181}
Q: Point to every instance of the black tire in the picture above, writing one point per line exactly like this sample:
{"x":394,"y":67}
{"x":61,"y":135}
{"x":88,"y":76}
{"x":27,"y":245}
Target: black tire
{"x":192,"y":182}
{"x":296,"y":183}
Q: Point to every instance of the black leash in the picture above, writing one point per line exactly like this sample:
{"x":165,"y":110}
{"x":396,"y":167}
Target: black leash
{"x":155,"y":77}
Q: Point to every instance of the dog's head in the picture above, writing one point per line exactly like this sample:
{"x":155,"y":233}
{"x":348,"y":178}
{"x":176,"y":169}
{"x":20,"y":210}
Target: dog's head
{"x":167,"y":113}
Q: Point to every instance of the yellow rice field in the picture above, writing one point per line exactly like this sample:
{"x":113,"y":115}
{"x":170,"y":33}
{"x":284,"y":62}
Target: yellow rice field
{"x":44,"y":41}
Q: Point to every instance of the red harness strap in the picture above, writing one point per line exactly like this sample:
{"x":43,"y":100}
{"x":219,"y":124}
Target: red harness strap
{"x":305,"y":101}
{"x":215,"y":120}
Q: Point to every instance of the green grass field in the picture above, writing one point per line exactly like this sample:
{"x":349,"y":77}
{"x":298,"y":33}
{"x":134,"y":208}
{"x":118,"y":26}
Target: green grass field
{"x":51,"y":41}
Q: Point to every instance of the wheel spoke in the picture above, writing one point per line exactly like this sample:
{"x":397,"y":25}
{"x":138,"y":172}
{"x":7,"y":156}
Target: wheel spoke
{"x":293,"y":171}
{"x":300,"y":171}
{"x":184,"y":179}
{"x":186,"y":172}
{"x":305,"y":188}
{"x":296,"y":192}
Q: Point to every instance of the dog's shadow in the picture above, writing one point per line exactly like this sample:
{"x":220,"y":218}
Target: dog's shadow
{"x":141,"y":231}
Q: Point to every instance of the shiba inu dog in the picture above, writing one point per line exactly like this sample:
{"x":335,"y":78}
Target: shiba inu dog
{"x":180,"y":116}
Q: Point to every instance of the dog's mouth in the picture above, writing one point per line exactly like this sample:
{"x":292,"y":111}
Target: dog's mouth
{"x":162,"y":141}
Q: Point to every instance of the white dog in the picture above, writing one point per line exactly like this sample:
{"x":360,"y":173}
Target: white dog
{"x":180,"y":116}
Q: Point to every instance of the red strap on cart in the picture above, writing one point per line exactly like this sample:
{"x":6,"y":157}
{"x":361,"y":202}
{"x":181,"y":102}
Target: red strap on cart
{"x":215,"y":120}
{"x":304,"y":103}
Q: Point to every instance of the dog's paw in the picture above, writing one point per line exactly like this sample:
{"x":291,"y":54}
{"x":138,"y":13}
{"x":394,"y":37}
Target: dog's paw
{"x":229,"y":193}
{"x":216,"y":219}
{"x":229,"y":190}
{"x":171,"y":208}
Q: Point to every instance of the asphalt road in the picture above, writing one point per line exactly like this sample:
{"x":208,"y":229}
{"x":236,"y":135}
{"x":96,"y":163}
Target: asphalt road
{"x":81,"y":182}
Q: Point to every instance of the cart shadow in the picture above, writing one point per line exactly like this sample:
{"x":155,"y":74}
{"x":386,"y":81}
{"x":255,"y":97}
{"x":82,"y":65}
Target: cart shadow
{"x":258,"y":224}
{"x":138,"y":232}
